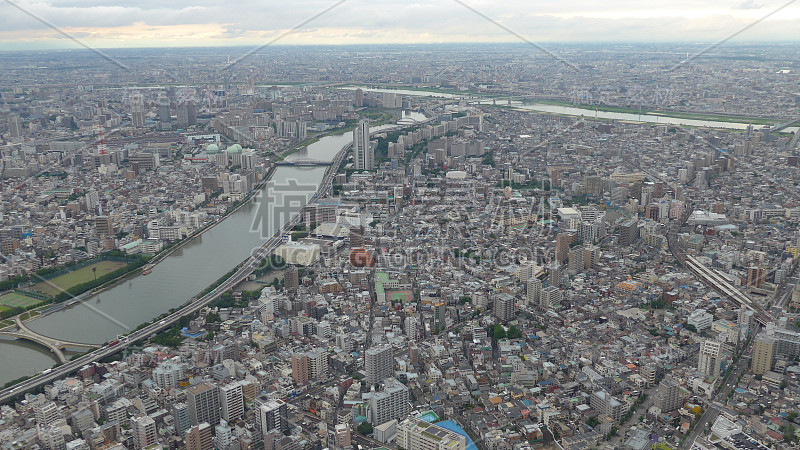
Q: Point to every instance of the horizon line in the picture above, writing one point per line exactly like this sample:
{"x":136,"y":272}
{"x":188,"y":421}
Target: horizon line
{"x":389,"y":44}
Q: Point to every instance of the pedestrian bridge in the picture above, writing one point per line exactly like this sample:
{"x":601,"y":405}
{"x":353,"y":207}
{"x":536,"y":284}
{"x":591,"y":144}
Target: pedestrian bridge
{"x":55,"y":345}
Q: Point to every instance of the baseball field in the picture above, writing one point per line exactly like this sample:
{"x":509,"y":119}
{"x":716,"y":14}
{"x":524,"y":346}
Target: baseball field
{"x":63,"y":282}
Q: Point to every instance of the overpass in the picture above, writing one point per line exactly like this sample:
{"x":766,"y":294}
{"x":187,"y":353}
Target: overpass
{"x":192,"y":306}
{"x":54,"y":345}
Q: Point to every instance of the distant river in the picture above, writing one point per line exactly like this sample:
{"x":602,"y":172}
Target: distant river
{"x":577,"y":112}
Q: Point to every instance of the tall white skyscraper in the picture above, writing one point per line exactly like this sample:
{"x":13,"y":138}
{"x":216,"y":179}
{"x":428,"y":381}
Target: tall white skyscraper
{"x":92,"y":199}
{"x":363,"y":153}
{"x":411,"y":324}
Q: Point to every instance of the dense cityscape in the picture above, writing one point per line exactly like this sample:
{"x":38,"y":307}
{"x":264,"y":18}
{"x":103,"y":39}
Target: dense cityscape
{"x":439,"y":247}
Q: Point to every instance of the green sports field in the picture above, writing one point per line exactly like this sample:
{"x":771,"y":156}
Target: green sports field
{"x":400,"y":296}
{"x":63,"y":282}
{"x":14,"y":300}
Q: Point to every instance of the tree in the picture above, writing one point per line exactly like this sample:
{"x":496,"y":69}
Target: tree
{"x":365,"y":428}
{"x":514,"y":333}
{"x":496,"y":331}
{"x":213,"y":318}
{"x":788,"y":434}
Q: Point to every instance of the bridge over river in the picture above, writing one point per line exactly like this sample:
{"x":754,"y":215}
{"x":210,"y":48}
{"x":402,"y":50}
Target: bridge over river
{"x":56,"y":346}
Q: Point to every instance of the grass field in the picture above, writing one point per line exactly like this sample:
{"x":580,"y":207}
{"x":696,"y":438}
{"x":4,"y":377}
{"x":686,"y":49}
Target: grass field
{"x":401,"y":296}
{"x":68,"y":280}
{"x":12,"y":300}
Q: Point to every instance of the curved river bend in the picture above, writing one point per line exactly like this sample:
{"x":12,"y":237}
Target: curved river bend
{"x":178,"y":277}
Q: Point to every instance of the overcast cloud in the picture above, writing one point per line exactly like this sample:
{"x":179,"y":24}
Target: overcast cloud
{"x":151,"y":23}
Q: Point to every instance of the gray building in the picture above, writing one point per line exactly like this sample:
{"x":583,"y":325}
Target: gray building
{"x":668,"y":397}
{"x":378,"y":363}
{"x":203,"y":402}
{"x":389,"y":404}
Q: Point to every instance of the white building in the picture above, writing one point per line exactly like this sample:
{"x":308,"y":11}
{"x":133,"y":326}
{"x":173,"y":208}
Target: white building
{"x":299,"y":254}
{"x":231,"y":399}
{"x":167,"y":374}
{"x":416,"y":434}
{"x":700,"y":319}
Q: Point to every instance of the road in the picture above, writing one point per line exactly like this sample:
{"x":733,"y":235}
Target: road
{"x":639,"y":410}
{"x":718,"y":400}
{"x":194,"y":305}
{"x":297,"y":402}
{"x":712,"y":411}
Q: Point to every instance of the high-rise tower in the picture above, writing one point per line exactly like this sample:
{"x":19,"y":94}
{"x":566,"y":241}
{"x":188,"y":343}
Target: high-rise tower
{"x":363,"y":153}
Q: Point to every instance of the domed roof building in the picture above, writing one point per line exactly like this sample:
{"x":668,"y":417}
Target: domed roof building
{"x":212,"y":149}
{"x":235,"y":148}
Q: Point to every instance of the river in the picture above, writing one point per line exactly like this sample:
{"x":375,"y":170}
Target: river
{"x":178,"y":277}
{"x":577,"y":112}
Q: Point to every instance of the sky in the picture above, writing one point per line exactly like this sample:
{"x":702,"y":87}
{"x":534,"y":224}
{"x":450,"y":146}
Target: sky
{"x":34,"y":24}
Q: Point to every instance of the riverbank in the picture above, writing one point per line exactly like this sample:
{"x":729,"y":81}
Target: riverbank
{"x":175,"y":285}
{"x":589,"y":109}
{"x":718,"y":117}
{"x":37,"y":312}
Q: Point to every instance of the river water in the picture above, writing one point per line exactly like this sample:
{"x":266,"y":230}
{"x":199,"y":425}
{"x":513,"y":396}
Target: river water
{"x":577,"y":112}
{"x":183,"y":274}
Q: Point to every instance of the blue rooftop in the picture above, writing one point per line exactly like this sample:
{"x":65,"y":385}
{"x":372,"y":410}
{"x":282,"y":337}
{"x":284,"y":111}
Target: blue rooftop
{"x":185,"y":333}
{"x":452,"y":426}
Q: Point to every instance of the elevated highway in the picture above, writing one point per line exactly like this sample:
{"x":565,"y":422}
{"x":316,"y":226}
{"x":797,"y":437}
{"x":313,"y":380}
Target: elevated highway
{"x":193,"y":306}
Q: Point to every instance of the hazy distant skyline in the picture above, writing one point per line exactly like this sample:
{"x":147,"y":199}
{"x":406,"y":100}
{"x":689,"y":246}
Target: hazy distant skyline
{"x":178,"y":23}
